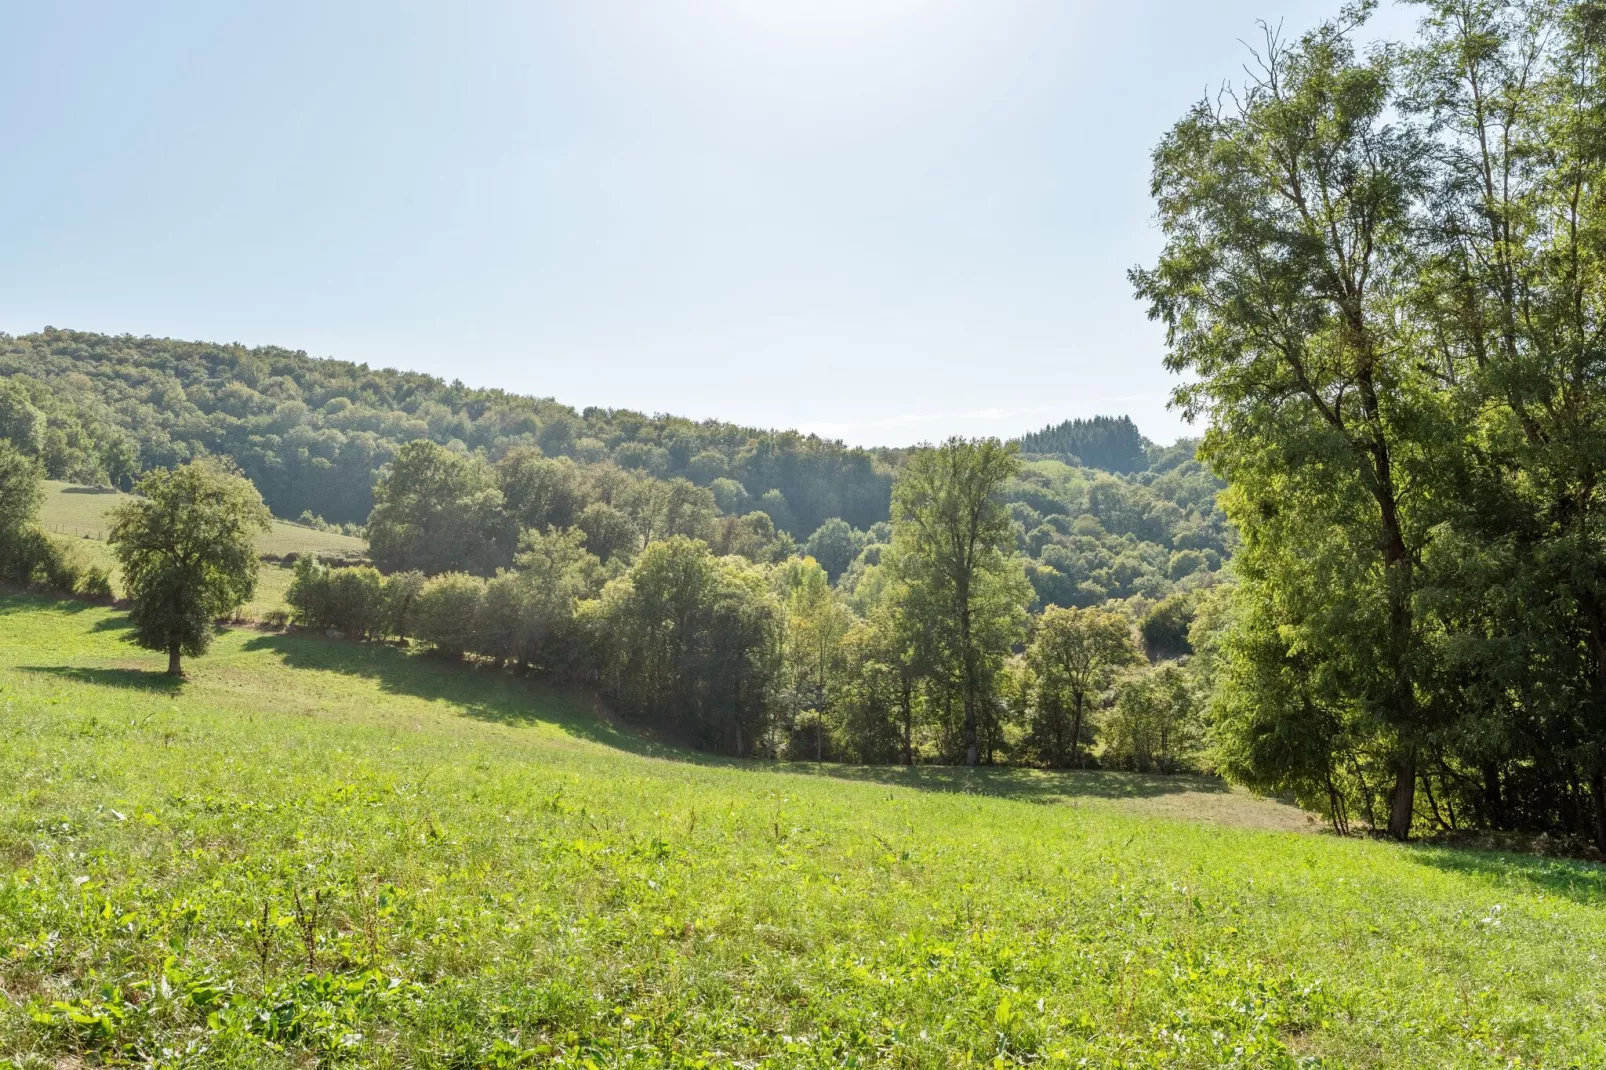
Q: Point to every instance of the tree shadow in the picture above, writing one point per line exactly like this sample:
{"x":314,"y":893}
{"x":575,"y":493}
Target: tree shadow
{"x":482,"y":693}
{"x":90,"y":490}
{"x":132,"y":679}
{"x":1572,"y":879}
{"x":14,"y":601}
{"x":1031,"y":785}
{"x":489,"y":695}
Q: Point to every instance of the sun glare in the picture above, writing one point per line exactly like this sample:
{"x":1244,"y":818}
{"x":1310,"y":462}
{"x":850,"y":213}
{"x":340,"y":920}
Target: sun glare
{"x":822,"y":19}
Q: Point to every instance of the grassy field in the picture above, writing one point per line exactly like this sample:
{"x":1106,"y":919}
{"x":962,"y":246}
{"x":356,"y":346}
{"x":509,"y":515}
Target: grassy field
{"x":318,"y":853}
{"x":79,"y":513}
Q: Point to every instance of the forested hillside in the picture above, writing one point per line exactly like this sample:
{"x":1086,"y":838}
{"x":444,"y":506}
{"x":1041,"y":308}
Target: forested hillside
{"x":315,"y":436}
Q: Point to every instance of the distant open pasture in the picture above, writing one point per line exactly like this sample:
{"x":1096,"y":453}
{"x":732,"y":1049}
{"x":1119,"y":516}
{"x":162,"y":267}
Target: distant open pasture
{"x":79,"y":513}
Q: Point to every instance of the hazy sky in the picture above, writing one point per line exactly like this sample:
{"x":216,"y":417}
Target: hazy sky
{"x":883,"y":220}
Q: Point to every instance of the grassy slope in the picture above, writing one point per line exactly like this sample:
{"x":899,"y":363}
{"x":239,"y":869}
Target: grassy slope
{"x":511,"y":875}
{"x":80,"y":513}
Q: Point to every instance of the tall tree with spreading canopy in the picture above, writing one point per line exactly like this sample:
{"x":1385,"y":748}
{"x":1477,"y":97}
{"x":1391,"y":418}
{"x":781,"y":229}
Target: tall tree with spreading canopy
{"x":439,"y":511}
{"x":1074,"y":657}
{"x":956,"y":543}
{"x":187,"y":547}
{"x":1287,"y":209}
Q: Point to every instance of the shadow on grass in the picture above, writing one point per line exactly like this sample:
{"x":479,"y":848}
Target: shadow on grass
{"x":14,"y":601}
{"x":481,"y":693}
{"x":88,"y":490}
{"x":1033,"y":785}
{"x":132,"y":679}
{"x":1579,"y":881}
{"x":494,"y":696}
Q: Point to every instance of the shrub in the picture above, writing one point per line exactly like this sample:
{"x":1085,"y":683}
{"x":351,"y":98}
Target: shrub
{"x":1154,"y":725}
{"x":400,"y":599}
{"x":447,"y":612}
{"x":349,"y":600}
{"x":95,"y":582}
{"x":30,"y":556}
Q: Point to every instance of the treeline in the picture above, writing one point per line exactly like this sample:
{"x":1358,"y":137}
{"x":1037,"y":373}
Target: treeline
{"x":314,"y":435}
{"x":915,"y":641}
{"x":318,"y":436}
{"x":1382,"y":276}
{"x":1108,"y":442}
{"x":29,"y":555}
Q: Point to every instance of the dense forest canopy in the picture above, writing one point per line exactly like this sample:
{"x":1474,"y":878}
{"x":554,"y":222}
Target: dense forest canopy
{"x":315,"y":436}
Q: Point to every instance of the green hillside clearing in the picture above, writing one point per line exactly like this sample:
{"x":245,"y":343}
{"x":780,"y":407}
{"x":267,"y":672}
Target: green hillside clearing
{"x":490,"y":875}
{"x":79,"y":513}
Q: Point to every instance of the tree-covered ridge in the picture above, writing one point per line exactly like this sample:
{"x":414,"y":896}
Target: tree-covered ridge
{"x":1108,"y":442}
{"x":313,"y":434}
{"x":316,"y":435}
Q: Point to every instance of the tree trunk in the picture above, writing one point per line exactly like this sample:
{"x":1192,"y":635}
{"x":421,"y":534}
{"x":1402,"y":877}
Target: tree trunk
{"x":972,"y":749}
{"x":1076,"y":729}
{"x":1597,"y":788}
{"x":1491,"y":795}
{"x":1403,"y":804}
{"x":972,"y":752}
{"x":908,"y":724}
{"x":175,"y":666}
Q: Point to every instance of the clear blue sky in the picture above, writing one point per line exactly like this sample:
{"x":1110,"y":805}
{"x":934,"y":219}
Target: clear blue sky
{"x":884,"y":220}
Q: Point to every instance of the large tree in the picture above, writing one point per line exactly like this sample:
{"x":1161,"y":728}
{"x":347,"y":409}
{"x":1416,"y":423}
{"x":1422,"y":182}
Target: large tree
{"x":956,"y":543}
{"x":1290,"y":258}
{"x":187,"y":547}
{"x":1514,"y":300}
{"x":1074,"y":657}
{"x":21,"y":492}
{"x":437,"y":510}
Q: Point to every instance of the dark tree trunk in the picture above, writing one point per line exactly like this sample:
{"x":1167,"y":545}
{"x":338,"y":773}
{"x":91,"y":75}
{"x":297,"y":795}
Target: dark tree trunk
{"x":1402,"y":806}
{"x":1597,"y":789}
{"x":1076,"y":730}
{"x":1493,"y":805}
{"x":972,"y":750}
{"x":175,"y":666}
{"x":908,"y":724}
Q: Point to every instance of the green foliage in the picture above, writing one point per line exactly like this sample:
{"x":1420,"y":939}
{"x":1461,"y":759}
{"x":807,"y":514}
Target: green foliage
{"x":1108,"y":442}
{"x":834,"y":545}
{"x":21,"y":490}
{"x":187,"y":550}
{"x":1154,"y":725}
{"x":955,"y":543}
{"x":315,"y":435}
{"x":1074,"y":658}
{"x":438,"y":511}
{"x":22,"y":426}
{"x":447,"y":613}
{"x":1165,"y":626}
{"x":691,"y":643}
{"x":348,"y":600}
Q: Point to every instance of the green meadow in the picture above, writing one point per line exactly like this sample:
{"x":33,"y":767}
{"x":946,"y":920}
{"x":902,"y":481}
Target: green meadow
{"x":316,"y":853}
{"x":79,"y":513}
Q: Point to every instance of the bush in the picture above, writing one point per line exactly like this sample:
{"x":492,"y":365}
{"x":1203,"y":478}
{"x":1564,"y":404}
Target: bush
{"x":447,"y":613}
{"x":348,"y":600}
{"x":31,"y":556}
{"x":95,"y":582}
{"x":400,"y":599}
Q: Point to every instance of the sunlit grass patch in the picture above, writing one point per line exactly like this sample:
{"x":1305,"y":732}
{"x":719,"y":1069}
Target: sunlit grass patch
{"x":313,"y":850}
